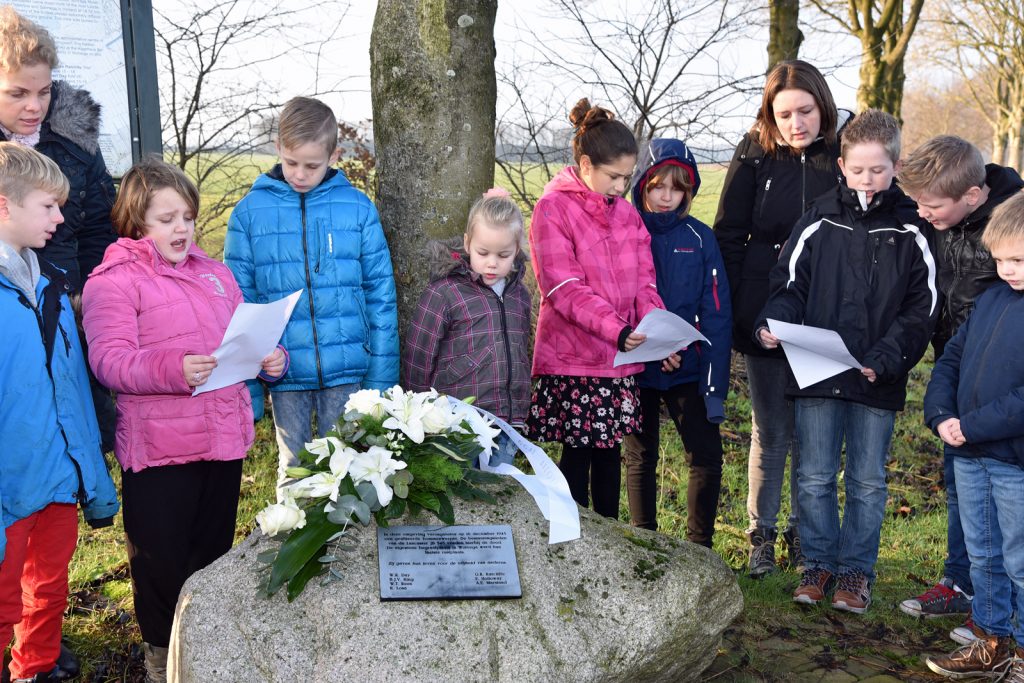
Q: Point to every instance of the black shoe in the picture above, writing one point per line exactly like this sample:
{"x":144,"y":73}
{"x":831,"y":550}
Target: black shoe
{"x":762,"y":552}
{"x":67,"y":662}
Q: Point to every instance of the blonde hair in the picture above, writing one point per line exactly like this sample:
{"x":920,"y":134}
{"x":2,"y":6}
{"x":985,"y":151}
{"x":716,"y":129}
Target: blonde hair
{"x":304,"y":120}
{"x":24,"y":42}
{"x":946,"y":166}
{"x":676,"y":176}
{"x":23,"y":170}
{"x":137,"y":188}
{"x":1006,"y":223}
{"x":872,"y":125}
{"x":499,"y":211}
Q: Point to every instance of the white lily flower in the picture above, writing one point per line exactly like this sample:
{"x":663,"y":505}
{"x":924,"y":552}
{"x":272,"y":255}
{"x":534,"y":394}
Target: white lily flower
{"x":483,"y":429}
{"x":319,"y":485}
{"x":367,"y":402}
{"x":322,"y":448}
{"x":375,"y":466}
{"x":407,"y":410}
{"x":341,"y":460}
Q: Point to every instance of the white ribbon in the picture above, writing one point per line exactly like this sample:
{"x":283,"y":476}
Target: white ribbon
{"x":548,"y":486}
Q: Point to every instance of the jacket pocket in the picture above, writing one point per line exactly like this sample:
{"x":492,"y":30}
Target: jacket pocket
{"x":462,"y":371}
{"x":171,"y":428}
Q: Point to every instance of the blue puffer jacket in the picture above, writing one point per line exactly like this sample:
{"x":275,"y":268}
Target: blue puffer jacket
{"x":691,"y":282}
{"x":328,"y":242}
{"x":51,"y":441}
{"x":979,"y":379}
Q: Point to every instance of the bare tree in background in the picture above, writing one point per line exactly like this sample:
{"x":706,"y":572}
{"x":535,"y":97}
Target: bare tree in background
{"x":984,"y":43}
{"x":930,"y":109}
{"x":884,"y":28}
{"x":784,"y":35}
{"x":658,"y":65}
{"x":216,"y":105}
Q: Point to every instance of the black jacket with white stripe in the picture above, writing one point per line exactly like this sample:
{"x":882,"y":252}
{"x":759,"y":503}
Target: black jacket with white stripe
{"x":868,"y":274}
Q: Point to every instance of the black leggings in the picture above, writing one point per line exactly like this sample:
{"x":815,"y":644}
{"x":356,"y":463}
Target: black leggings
{"x":595,"y":471}
{"x":703,"y":444}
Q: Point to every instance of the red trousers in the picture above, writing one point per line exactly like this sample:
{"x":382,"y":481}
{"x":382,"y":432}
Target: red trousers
{"x":34,"y":587}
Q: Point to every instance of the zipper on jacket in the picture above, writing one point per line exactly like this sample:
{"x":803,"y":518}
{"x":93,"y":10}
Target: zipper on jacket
{"x":764,"y":198}
{"x":714,"y":288}
{"x":873,"y":265}
{"x":508,"y":352}
{"x":309,"y":290}
{"x":803,"y":182}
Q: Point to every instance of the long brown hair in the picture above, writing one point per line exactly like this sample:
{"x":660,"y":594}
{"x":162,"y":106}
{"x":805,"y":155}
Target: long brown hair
{"x":794,"y":74}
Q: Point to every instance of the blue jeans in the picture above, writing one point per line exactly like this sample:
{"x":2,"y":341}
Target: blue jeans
{"x":293,"y":418}
{"x":991,"y":494}
{"x":957,"y":565}
{"x":772,"y":438}
{"x":821,"y":425}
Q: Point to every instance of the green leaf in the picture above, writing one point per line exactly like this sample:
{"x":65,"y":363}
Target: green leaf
{"x":299,"y":581}
{"x":366,"y":491}
{"x":298,"y":472}
{"x":301,"y":548}
{"x":362,"y":512}
{"x":395,"y":509}
{"x":445,"y":512}
{"x":447,"y":451}
{"x":267,"y":556}
{"x":426,"y":499}
{"x":326,"y":559}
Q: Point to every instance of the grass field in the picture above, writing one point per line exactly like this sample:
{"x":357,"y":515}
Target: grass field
{"x":101,"y":628}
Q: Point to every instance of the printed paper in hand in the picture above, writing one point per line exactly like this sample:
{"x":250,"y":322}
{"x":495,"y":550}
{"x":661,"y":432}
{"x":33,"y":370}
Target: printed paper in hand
{"x":666,"y":333}
{"x":252,"y":335}
{"x":814,"y":353}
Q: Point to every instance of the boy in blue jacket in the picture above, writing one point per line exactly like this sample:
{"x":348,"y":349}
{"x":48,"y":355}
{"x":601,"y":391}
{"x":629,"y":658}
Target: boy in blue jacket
{"x":692,"y":283}
{"x":52,"y":460}
{"x":303,"y":226}
{"x":975,"y":403}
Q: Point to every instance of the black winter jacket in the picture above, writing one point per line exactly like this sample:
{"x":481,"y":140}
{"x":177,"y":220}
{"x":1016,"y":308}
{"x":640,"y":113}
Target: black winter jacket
{"x":762,"y":198}
{"x":980,"y":377}
{"x":70,"y":136}
{"x":868,"y":275}
{"x":966,"y":269}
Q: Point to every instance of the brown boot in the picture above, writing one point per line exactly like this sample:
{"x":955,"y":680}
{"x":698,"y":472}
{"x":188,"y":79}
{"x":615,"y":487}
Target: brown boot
{"x":1016,"y":672}
{"x":988,"y":656}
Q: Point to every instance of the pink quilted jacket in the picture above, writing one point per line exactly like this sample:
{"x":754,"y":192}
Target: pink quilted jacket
{"x":142,"y":316}
{"x":595,"y":273}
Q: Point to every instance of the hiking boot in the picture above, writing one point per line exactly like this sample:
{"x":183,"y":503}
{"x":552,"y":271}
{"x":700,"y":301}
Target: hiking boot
{"x":814,"y":585}
{"x":156,"y":663}
{"x":941,"y":600}
{"x":762,"y":552}
{"x":794,"y":553}
{"x":988,"y":656}
{"x":964,"y":634}
{"x":67,"y":662}
{"x":1016,"y":672}
{"x":853,"y":592}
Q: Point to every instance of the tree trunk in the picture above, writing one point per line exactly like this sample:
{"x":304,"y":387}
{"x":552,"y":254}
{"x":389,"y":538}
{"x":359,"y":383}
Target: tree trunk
{"x":433,"y":88}
{"x":999,"y":147}
{"x":784,"y":36}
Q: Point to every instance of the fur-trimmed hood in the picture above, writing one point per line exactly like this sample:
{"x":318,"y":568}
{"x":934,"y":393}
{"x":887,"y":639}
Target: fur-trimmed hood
{"x":446,"y":257}
{"x":75,"y":115}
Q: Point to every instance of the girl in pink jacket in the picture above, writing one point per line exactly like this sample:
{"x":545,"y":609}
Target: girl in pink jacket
{"x":592,"y":257}
{"x":154,"y":310}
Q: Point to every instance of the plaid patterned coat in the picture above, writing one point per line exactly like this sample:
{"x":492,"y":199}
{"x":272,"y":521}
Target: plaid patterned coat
{"x":466,"y":341}
{"x":592,"y":257}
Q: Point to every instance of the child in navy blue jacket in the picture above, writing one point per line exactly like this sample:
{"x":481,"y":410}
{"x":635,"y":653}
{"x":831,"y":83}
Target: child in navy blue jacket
{"x":975,"y":403}
{"x":692,"y":283}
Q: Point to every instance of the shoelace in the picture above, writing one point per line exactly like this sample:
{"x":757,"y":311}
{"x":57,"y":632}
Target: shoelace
{"x":763,"y":554}
{"x":1016,"y":672}
{"x":938,"y":592}
{"x":849,"y":582}
{"x":812,"y":577}
{"x":967,"y":652}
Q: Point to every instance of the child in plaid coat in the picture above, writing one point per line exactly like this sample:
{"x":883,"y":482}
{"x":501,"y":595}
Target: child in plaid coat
{"x":471,"y":331}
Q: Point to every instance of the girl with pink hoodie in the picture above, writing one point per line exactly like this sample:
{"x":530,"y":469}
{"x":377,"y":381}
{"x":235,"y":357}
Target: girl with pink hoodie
{"x":592,"y":257}
{"x":154,"y":310}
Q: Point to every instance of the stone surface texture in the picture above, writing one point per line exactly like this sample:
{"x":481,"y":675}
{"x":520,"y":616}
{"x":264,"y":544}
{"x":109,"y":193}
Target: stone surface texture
{"x":619,"y":604}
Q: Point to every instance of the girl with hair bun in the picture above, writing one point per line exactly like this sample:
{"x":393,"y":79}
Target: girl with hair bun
{"x":592,"y":257}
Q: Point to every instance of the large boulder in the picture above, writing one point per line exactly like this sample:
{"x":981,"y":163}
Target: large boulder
{"x":619,"y":604}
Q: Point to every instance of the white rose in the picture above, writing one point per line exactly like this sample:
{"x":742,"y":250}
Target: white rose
{"x":279,"y":517}
{"x":367,"y":402}
{"x":439,"y":417}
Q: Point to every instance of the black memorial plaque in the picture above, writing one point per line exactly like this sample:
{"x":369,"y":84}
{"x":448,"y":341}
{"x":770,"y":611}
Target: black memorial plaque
{"x":447,"y":562}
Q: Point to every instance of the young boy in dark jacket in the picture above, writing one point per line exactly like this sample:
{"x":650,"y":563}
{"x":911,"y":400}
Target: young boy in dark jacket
{"x":956,"y":192}
{"x":691,"y":280}
{"x":858,"y":265}
{"x":975,"y":404}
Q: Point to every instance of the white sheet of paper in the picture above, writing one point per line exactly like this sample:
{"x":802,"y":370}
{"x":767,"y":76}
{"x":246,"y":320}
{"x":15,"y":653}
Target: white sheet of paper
{"x":666,"y":333}
{"x":252,"y":335}
{"x":814,"y":353}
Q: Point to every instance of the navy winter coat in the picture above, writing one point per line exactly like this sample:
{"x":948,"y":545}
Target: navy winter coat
{"x":51,"y":441}
{"x":692,"y":283}
{"x":980,"y":379}
{"x":70,"y":136}
{"x":327,"y":242}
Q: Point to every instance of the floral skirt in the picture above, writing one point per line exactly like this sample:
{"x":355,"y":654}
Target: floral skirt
{"x":584,"y":412}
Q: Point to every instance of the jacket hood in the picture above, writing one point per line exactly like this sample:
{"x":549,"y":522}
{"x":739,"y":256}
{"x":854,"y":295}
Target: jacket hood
{"x":127,"y":250}
{"x":892,"y":200}
{"x":568,"y":180}
{"x":273,"y":180}
{"x":448,"y":258}
{"x":658,"y":153}
{"x":75,"y":115}
{"x":1002,"y":183}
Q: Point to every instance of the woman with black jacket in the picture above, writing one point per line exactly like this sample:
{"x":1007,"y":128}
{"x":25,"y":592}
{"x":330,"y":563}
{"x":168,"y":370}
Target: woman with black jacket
{"x":787,"y":159}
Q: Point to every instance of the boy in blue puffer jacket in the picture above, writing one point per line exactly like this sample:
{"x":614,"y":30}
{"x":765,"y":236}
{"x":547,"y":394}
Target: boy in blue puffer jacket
{"x":303,"y":226}
{"x":52,"y":460}
{"x":692,"y":283}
